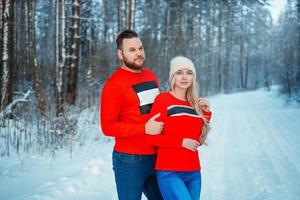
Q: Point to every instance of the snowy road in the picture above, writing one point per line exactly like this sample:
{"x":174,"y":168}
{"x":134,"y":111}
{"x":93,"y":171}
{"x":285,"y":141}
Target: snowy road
{"x":253,"y":154}
{"x":254,"y":149}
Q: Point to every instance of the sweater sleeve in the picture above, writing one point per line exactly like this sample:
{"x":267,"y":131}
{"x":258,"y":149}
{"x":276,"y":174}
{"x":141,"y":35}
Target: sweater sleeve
{"x":110,"y":106}
{"x":207,"y":115}
{"x":162,"y":140}
{"x":165,"y":141}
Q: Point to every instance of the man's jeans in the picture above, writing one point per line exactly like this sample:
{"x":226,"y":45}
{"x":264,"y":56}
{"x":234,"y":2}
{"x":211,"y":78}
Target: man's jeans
{"x":135,"y":174}
{"x":179,"y":185}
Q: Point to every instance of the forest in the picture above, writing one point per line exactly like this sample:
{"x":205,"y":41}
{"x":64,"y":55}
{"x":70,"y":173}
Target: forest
{"x":56,"y":55}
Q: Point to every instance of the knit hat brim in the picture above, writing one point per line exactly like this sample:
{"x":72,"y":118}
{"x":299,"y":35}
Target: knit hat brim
{"x":181,"y":62}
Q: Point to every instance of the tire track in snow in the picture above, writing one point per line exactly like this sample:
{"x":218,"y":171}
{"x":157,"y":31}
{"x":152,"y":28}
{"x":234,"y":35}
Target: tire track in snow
{"x":242,"y":162}
{"x":242,"y":145}
{"x":260,"y":172}
{"x":277,"y":156}
{"x":242,"y":149}
{"x":286,"y":144}
{"x":214,"y":186}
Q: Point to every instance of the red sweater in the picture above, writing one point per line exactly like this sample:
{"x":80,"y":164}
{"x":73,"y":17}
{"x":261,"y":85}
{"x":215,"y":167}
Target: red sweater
{"x":180,"y":121}
{"x":126,"y":102}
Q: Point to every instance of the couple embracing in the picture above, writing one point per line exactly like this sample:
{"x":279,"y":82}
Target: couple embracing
{"x":156,"y":134}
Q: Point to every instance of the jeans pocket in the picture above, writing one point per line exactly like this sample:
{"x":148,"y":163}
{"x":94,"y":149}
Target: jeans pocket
{"x":129,"y":158}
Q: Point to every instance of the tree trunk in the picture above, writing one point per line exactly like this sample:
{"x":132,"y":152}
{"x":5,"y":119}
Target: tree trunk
{"x":242,"y":48}
{"x":128,"y":14}
{"x":7,"y":53}
{"x":247,"y":69}
{"x":105,"y":19}
{"x":36,"y":71}
{"x":209,"y":37}
{"x":167,"y":37}
{"x":179,"y":40}
{"x":192,"y":20}
{"x":241,"y":63}
{"x":1,"y":48}
{"x":220,"y":74}
{"x":132,"y":18}
{"x":199,"y":51}
{"x":61,"y":56}
{"x":120,"y":15}
{"x":297,"y":56}
{"x":27,"y":51}
{"x":227,"y":68}
{"x":73,"y":76}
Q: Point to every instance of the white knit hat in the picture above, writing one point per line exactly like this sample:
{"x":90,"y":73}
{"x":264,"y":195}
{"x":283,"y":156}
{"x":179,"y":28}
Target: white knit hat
{"x":181,"y":62}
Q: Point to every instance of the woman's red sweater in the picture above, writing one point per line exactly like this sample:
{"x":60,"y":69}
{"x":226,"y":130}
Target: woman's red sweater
{"x":180,"y":121}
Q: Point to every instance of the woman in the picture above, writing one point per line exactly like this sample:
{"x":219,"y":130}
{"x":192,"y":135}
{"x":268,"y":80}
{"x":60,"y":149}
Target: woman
{"x":177,"y":164}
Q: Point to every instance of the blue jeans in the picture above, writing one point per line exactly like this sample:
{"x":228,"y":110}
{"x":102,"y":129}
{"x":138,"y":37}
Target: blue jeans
{"x":179,"y":185}
{"x":134,"y":175}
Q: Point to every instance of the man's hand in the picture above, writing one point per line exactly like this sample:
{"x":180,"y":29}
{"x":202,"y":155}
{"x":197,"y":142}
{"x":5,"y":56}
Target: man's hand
{"x":153,"y":127}
{"x":190,"y":144}
{"x":204,"y":104}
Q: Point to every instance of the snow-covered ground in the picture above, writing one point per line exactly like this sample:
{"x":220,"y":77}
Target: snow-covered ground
{"x":253,"y":154}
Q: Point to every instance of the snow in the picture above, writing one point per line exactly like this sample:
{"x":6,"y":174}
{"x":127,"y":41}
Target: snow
{"x":86,"y":176}
{"x":276,"y":7}
{"x":252,"y":154}
{"x":8,"y":109}
{"x":253,"y":151}
{"x":75,"y":26}
{"x":5,"y":56}
{"x":76,"y":4}
{"x":6,"y":11}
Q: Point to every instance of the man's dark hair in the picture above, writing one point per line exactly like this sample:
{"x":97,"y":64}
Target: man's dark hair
{"x":126,"y":34}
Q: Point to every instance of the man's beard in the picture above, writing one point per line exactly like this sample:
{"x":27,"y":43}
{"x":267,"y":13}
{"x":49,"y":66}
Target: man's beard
{"x":132,"y":65}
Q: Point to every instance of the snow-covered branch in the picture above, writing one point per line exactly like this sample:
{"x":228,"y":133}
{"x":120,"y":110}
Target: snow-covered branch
{"x":83,"y":18}
{"x":10,"y":107}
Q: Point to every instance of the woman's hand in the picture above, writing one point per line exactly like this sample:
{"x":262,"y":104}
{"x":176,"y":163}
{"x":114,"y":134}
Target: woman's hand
{"x":190,"y":144}
{"x":204,"y":104}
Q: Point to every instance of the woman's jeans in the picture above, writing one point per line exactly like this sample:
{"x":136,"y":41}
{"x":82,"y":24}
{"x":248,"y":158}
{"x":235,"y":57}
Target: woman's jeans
{"x":135,"y":174}
{"x":179,"y":185}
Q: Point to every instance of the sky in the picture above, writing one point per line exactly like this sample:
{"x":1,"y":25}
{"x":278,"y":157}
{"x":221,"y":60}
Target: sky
{"x":276,"y":7}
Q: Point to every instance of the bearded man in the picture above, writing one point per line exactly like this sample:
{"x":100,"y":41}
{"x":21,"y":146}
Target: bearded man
{"x":126,"y":101}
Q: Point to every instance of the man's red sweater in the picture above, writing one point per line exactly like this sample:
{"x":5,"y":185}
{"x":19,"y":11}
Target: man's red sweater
{"x":180,"y":121}
{"x":126,"y":101}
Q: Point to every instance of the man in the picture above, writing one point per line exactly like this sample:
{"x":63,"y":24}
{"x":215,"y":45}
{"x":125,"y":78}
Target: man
{"x":126,"y":101}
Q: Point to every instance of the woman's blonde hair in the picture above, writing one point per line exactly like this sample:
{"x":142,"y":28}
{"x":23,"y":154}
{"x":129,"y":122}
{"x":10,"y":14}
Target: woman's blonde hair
{"x":192,"y":96}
